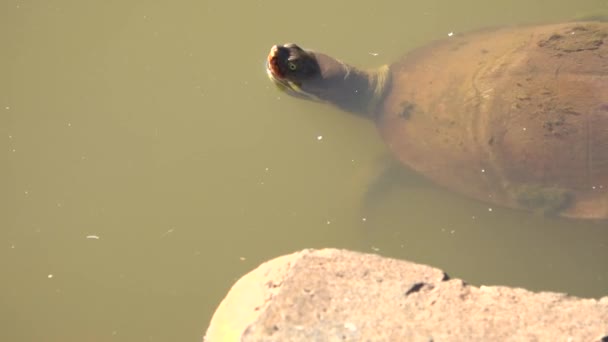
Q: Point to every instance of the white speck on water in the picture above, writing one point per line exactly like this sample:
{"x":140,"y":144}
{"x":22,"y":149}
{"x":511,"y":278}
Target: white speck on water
{"x":10,"y":137}
{"x":242,"y":258}
{"x":473,"y":217}
{"x":92,"y":237}
{"x":319,"y":137}
{"x":7,"y":107}
{"x":13,"y":246}
{"x":375,"y":249}
{"x":69,"y":124}
{"x":374,"y":54}
{"x":483,"y":170}
{"x":593,"y":187}
{"x":328,"y":222}
{"x":364,"y":219}
{"x":13,"y":150}
{"x":523,"y":129}
{"x":452,"y":232}
{"x":489,"y":209}
{"x":171,"y":230}
{"x":267,"y":169}
{"x":450,"y":34}
{"x":49,"y":276}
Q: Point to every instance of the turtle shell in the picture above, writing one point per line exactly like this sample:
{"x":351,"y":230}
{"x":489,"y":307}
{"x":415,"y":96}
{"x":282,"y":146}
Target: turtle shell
{"x":514,"y":116}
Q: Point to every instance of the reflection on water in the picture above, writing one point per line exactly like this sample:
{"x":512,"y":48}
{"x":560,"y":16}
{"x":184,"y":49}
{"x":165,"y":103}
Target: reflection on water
{"x":155,"y":129}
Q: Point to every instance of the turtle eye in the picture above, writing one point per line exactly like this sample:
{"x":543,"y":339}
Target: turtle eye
{"x":292,"y":66}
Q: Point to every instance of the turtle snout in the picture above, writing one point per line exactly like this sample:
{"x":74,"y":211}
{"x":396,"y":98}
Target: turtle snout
{"x":276,"y":59}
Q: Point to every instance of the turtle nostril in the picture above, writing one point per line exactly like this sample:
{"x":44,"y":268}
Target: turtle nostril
{"x":274,"y":50}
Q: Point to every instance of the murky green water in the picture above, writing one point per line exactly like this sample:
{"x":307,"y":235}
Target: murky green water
{"x":147,"y":163}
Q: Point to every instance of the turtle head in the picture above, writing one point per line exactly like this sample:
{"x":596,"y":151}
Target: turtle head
{"x":319,"y":77}
{"x":296,"y":71}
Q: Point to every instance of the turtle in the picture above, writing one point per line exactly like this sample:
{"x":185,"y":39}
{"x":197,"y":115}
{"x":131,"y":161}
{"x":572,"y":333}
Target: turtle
{"x":513,"y":116}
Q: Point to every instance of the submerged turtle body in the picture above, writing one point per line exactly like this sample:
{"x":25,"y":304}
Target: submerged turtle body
{"x":516,"y":116}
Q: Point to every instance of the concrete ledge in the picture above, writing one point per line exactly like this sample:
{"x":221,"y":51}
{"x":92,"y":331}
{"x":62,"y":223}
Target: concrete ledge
{"x":338,"y":295}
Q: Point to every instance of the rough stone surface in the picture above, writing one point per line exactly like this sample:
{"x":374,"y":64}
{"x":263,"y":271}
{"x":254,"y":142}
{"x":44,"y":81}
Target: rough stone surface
{"x":338,"y":295}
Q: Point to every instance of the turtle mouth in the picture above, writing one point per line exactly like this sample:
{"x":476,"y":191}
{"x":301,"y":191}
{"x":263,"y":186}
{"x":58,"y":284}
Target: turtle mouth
{"x":272,"y":64}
